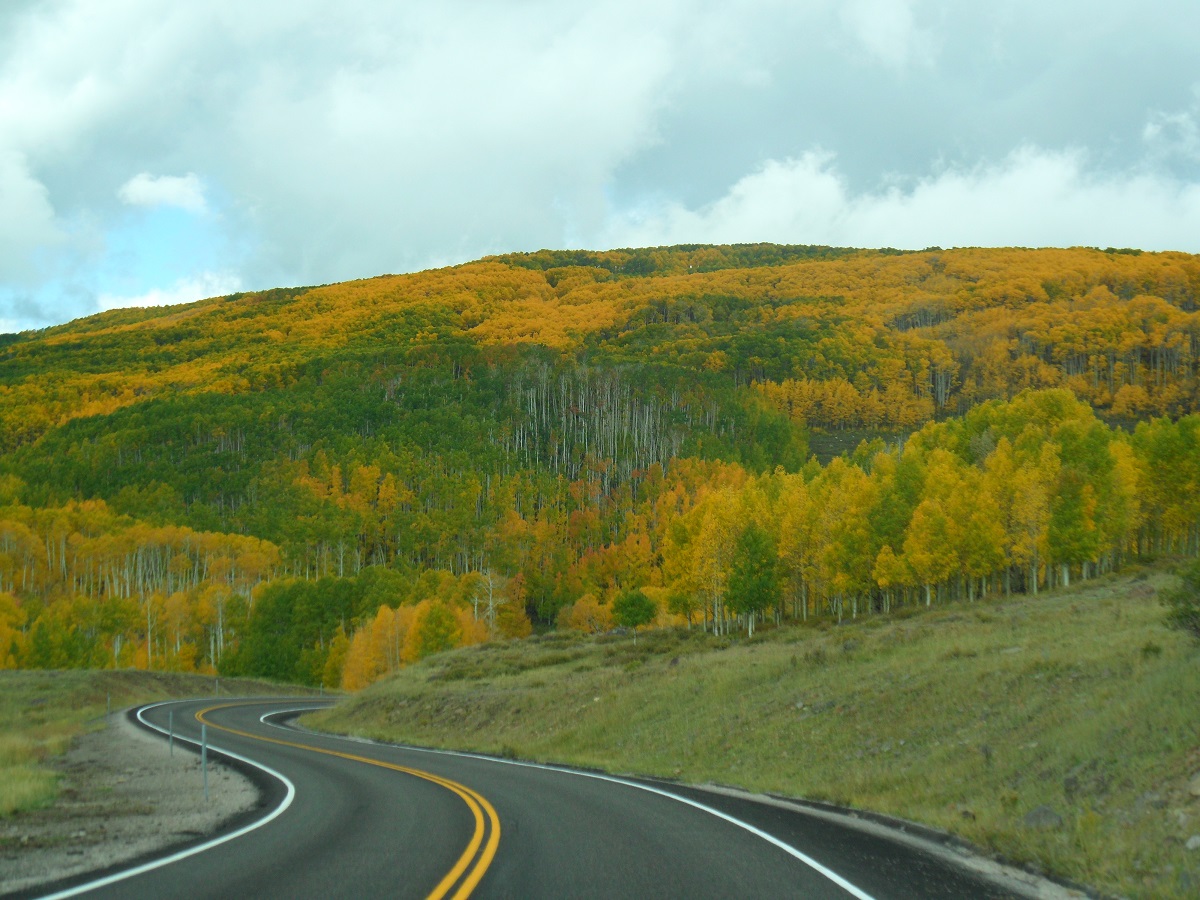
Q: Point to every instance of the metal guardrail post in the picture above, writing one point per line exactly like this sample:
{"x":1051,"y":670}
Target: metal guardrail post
{"x":171,"y":731}
{"x":204,"y":757}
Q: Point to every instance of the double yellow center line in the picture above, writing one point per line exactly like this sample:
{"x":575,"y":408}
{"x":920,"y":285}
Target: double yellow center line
{"x":474,"y":861}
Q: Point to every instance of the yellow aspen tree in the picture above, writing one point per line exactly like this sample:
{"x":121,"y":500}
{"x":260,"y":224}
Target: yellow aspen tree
{"x":842,"y":497}
{"x":796,"y":543}
{"x":999,"y":485}
{"x":890,"y":571}
{"x":12,"y":636}
{"x":357,"y":669}
{"x":1125,"y":515}
{"x":981,"y":533}
{"x":714,"y":551}
{"x":587,"y":615}
{"x":471,"y":630}
{"x":928,"y":546}
{"x":1031,"y":512}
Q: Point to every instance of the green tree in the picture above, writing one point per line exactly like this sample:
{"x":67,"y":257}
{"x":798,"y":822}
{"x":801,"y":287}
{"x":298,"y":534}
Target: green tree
{"x":438,"y":631}
{"x":754,"y":575}
{"x":632,"y":610}
{"x":683,"y":603}
{"x":331,"y":677}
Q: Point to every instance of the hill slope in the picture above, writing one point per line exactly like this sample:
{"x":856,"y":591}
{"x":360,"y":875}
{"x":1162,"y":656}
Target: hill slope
{"x":534,"y":436}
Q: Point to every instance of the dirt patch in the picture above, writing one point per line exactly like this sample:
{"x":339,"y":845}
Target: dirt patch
{"x":121,"y":796}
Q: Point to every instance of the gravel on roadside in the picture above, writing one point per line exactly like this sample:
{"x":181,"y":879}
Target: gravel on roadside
{"x":121,"y":795}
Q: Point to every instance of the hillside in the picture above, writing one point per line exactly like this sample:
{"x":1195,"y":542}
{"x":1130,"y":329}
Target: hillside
{"x":1077,"y":704}
{"x":322,"y":484}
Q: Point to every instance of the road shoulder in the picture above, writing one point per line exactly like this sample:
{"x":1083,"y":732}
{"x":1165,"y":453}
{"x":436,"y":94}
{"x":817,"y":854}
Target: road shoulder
{"x":940,"y":845}
{"x":122,"y":796}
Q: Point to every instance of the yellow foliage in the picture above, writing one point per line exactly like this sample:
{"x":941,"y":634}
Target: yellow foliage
{"x":378,"y":647}
{"x":12,"y":637}
{"x":586,"y":614}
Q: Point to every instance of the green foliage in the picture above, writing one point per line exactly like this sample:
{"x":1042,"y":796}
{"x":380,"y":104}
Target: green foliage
{"x":1183,"y":603}
{"x":288,"y":618}
{"x":633,"y":609}
{"x":683,"y":603}
{"x":439,"y":631}
{"x":754,"y":576}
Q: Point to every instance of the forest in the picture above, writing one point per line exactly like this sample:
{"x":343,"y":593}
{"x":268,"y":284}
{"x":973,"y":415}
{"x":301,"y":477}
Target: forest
{"x":324,"y":484}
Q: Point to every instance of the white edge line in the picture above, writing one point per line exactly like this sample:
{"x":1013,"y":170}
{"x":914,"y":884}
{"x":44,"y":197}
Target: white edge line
{"x":757,"y":832}
{"x":199,"y":848}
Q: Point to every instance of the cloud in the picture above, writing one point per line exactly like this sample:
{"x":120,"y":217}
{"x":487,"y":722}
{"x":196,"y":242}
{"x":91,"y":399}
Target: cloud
{"x":391,"y":137}
{"x":888,"y":31}
{"x":183,"y":191}
{"x":1175,"y":136}
{"x":27,"y":220}
{"x":1032,"y":198}
{"x":186,"y":290}
{"x":394,"y":137}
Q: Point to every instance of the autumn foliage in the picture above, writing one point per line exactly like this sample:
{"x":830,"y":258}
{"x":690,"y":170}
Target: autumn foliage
{"x":326,"y":484}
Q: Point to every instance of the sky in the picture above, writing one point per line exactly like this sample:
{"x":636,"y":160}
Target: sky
{"x":157,"y":152}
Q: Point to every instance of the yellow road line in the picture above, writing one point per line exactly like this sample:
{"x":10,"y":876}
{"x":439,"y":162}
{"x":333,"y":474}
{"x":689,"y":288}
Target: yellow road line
{"x":478,"y":805}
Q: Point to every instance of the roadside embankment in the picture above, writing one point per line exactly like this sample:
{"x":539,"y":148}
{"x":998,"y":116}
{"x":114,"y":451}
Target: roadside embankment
{"x":121,"y":795}
{"x":1058,"y":731}
{"x":81,"y":788}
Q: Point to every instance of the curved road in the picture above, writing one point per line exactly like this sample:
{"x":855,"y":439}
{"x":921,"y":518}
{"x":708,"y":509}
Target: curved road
{"x":350,"y":818}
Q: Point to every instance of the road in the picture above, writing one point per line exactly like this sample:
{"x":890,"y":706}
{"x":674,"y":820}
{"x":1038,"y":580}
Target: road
{"x":357,"y":819}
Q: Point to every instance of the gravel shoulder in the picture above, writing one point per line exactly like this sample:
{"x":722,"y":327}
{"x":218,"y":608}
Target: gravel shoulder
{"x":122,"y":795}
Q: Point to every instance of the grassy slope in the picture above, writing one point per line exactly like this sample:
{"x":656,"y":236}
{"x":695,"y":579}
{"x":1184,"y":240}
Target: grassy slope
{"x":40,"y":712}
{"x":965,"y":718}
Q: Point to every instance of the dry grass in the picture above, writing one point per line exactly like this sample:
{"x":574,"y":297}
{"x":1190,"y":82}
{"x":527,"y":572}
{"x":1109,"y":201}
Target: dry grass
{"x":41,"y":712}
{"x":24,"y":787}
{"x":965,"y":718}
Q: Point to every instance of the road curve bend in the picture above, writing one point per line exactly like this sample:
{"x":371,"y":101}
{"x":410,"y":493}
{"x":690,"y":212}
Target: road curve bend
{"x":352,"y":818}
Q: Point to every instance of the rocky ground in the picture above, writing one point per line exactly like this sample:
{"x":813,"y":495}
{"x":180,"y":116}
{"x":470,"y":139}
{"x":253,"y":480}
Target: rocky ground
{"x":121,"y":795}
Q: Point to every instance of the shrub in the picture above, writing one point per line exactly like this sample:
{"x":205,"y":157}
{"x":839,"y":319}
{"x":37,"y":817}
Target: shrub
{"x":1183,"y":603}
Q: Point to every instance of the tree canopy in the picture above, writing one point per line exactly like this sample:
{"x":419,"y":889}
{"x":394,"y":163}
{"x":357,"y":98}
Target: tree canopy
{"x":310,"y":483}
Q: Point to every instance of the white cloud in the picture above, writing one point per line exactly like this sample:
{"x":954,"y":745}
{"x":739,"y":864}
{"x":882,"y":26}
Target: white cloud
{"x":888,"y":31}
{"x":1033,"y":198}
{"x":27,"y":220}
{"x":393,"y":136}
{"x":398,"y":136}
{"x":183,"y":191}
{"x":1168,"y":134}
{"x":207,"y":284}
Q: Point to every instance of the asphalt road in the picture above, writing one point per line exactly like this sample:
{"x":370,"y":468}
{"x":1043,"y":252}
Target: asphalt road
{"x":355,"y":819}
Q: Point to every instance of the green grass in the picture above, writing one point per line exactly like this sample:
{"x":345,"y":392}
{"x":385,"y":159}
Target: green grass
{"x":964,"y":718}
{"x":41,"y":712}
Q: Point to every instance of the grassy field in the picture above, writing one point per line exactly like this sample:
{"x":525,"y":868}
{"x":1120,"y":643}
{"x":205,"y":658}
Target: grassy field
{"x":40,"y":712}
{"x":1078,"y":704}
